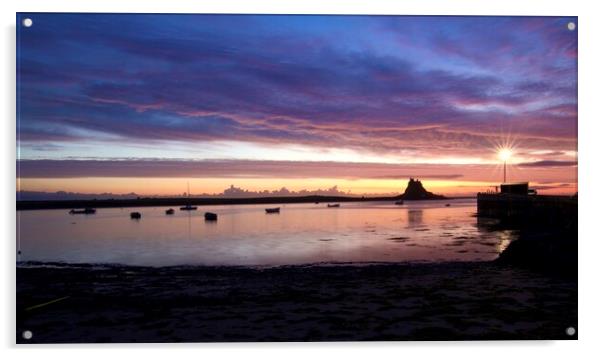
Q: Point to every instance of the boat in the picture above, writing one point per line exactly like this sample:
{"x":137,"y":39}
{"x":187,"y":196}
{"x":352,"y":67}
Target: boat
{"x":135,"y":215}
{"x":170,"y":211}
{"x":447,"y":205}
{"x":83,"y":211}
{"x":399,"y":203}
{"x":188,"y":206}
{"x":210,"y":216}
{"x":272,"y":210}
{"x":334,"y":205}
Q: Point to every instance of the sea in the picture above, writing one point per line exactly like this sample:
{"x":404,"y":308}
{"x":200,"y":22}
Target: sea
{"x":245,"y":235}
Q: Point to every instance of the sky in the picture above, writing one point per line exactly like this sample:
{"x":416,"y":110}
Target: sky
{"x":151,"y":103}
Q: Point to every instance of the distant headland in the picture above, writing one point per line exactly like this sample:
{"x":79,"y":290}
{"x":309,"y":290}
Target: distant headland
{"x":413,"y":191}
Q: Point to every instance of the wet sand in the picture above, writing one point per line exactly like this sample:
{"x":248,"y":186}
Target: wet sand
{"x":324,"y":302}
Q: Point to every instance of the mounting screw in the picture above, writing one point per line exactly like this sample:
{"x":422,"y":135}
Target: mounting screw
{"x":570,"y":331}
{"x":571,"y":26}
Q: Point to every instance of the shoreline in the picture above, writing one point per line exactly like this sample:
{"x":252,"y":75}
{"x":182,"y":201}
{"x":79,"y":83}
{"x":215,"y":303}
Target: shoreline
{"x":380,"y":302}
{"x":33,"y":264}
{"x":158,"y":202}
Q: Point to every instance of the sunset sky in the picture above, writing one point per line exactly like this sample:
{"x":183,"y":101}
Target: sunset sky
{"x":149,"y":103}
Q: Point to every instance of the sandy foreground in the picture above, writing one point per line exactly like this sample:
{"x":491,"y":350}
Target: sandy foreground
{"x":325,"y":302}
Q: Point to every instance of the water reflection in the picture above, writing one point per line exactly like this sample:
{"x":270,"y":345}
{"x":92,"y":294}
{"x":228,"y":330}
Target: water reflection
{"x":414,"y":217}
{"x":505,"y":237}
{"x":246,"y":235}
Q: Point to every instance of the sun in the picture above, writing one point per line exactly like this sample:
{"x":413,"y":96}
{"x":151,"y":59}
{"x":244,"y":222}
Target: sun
{"x":505,"y":148}
{"x":504,"y":154}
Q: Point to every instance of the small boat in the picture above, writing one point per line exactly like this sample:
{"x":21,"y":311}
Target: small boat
{"x":210,"y":216}
{"x":399,"y":203}
{"x":188,"y":208}
{"x":334,"y":205}
{"x":272,"y":210}
{"x":135,"y":215}
{"x":447,"y":205}
{"x":170,"y":211}
{"x":83,"y":211}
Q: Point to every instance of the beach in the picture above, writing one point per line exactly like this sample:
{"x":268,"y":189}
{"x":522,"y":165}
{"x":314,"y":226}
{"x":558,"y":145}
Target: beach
{"x":318,"y":302}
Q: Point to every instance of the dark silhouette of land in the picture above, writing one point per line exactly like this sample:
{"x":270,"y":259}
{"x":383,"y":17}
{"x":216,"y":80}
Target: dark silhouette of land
{"x":413,"y":191}
{"x":181,"y":201}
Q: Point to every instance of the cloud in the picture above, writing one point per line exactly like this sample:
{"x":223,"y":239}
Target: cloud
{"x":230,"y":192}
{"x":226,"y":168}
{"x":548,"y":163}
{"x":437,"y":86}
{"x":472,"y":174}
{"x":423,"y":176}
{"x":551,"y":186}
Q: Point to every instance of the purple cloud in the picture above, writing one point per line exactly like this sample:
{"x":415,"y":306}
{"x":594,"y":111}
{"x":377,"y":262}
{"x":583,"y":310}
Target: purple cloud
{"x":548,"y":163}
{"x":434,"y":86}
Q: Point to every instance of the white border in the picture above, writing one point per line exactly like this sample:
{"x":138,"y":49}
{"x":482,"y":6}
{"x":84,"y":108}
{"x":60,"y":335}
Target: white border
{"x":590,"y":178}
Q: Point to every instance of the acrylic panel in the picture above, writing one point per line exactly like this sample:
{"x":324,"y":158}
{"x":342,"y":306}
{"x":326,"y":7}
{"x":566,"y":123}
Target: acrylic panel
{"x":226,"y":178}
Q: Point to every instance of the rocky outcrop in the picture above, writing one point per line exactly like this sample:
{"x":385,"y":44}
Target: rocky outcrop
{"x":415,"y":191}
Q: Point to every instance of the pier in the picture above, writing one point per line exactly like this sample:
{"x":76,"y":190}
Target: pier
{"x":517,"y":204}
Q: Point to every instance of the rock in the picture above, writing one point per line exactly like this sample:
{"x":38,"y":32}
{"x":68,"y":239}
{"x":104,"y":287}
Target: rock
{"x":415,"y":191}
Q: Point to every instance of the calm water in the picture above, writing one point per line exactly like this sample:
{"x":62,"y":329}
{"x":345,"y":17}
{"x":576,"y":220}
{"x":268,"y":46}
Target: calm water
{"x":246,"y":235}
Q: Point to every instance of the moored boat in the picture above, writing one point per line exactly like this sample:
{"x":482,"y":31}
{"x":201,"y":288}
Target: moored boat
{"x":334,"y":205}
{"x":272,"y":210}
{"x":399,"y":203}
{"x":170,"y":211}
{"x":210,"y":216}
{"x":188,"y":208}
{"x":135,"y":215}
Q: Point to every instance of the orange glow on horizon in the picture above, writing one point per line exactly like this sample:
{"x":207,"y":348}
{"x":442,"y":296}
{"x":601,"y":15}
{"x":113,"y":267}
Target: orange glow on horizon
{"x":178,"y":186}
